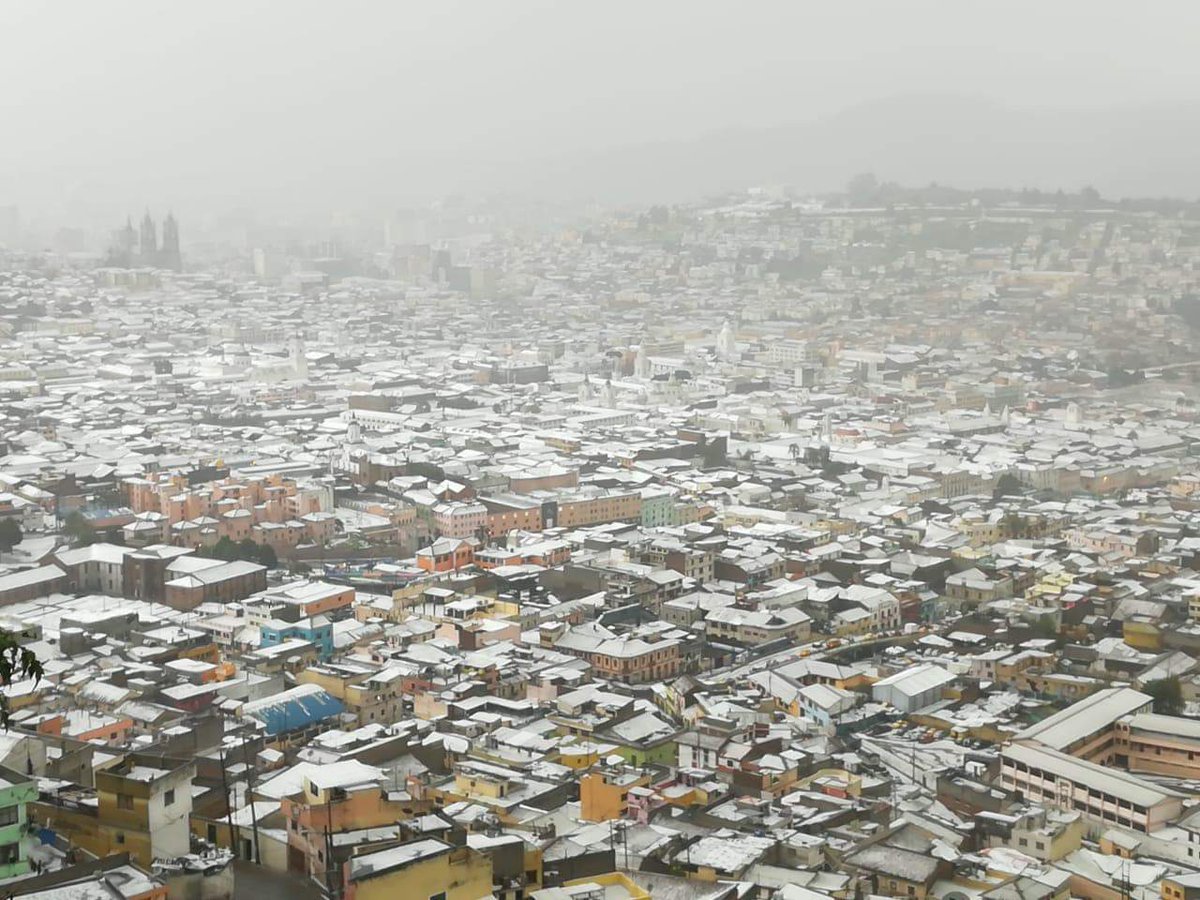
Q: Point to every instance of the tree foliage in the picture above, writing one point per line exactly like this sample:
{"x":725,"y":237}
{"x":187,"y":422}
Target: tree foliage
{"x":10,"y":534}
{"x":1007,"y":485}
{"x":17,"y":663}
{"x":76,"y":527}
{"x":1167,"y":694}
{"x":245,"y":549}
{"x":1046,"y":627}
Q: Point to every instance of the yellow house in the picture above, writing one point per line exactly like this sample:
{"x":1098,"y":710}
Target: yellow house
{"x":1180,"y":887}
{"x":580,"y":755}
{"x":425,"y":869}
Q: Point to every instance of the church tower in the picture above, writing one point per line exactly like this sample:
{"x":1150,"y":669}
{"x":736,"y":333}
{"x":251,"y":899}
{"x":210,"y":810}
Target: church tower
{"x":296,"y":356}
{"x":170,"y":257}
{"x":149,"y":241}
{"x":727,"y":343}
{"x":641,"y":362}
{"x":124,"y":246}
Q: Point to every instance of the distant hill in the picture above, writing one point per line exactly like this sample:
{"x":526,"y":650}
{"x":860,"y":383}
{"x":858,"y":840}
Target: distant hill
{"x":908,"y":139}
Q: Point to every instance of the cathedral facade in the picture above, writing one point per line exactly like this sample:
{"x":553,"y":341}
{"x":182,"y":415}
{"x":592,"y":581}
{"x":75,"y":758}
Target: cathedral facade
{"x":141,"y":247}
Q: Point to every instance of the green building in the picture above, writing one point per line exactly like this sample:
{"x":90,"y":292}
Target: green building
{"x":16,"y":791}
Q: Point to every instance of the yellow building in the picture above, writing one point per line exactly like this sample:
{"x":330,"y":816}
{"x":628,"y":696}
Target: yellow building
{"x":604,"y":795}
{"x":141,"y":806}
{"x":1142,"y":634}
{"x":1180,"y":887}
{"x":610,"y":884}
{"x":580,"y":755}
{"x":417,"y":870}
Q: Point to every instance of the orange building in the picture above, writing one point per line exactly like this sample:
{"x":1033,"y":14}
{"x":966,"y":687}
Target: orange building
{"x":579,"y":509}
{"x":510,"y":512}
{"x":604,"y":794}
{"x":336,"y":799}
{"x":446,"y":555}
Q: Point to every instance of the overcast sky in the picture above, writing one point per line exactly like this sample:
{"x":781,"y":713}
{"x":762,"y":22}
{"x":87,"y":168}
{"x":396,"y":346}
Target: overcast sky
{"x":218,"y":103}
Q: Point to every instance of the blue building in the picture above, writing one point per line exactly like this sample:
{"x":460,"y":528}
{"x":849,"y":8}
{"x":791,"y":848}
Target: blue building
{"x":318,"y":631}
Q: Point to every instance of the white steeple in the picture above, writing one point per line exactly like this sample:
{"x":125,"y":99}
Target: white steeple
{"x":296,"y":355}
{"x":608,"y":395}
{"x":726,"y":342}
{"x":641,"y":362}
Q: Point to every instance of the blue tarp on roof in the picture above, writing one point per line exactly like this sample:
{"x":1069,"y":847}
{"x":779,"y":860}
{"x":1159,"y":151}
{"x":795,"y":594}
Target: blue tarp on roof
{"x":298,"y":707}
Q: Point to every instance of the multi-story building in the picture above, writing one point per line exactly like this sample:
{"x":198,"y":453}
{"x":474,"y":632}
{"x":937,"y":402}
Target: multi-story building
{"x":1087,"y":729}
{"x":511,"y":512}
{"x":95,"y":569}
{"x":752,"y":627}
{"x":585,"y":507}
{"x":16,"y":792}
{"x":141,"y":806}
{"x":1103,"y":795}
{"x":193,"y":580}
{"x":460,"y":520}
{"x":626,"y":658}
{"x":1167,"y":746}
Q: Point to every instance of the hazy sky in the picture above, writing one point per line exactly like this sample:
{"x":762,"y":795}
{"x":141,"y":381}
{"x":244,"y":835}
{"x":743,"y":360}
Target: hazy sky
{"x":215,"y":104}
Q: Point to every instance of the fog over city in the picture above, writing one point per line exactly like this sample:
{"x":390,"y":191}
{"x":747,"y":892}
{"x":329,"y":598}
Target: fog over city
{"x":215,"y":106}
{"x":525,"y":450}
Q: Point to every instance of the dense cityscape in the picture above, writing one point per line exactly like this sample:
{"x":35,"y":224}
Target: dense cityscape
{"x":770,"y":546}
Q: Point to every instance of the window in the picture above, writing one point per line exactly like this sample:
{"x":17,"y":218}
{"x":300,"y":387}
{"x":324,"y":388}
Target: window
{"x":169,"y":797}
{"x":120,"y":837}
{"x":10,"y":853}
{"x":124,"y":801}
{"x":441,"y":895}
{"x":10,"y":815}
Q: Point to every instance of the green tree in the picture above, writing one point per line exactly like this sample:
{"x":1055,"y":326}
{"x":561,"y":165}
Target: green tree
{"x":76,"y":527}
{"x":1007,"y":485}
{"x":1167,"y":694}
{"x":224,"y":549}
{"x":1012,"y":524}
{"x":1046,"y":627}
{"x":245,"y":549}
{"x":10,"y":534}
{"x":17,"y":663}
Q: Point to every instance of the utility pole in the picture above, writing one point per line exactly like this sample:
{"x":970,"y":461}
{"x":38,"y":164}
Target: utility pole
{"x":228,"y":805}
{"x":250,"y":800}
{"x":331,"y":891}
